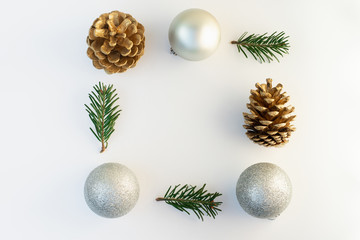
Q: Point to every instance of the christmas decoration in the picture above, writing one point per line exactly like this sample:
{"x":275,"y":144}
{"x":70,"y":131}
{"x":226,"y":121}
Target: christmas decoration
{"x":116,"y":42}
{"x":262,"y":47}
{"x":111,"y":190}
{"x":103,"y":112}
{"x":194,"y":34}
{"x":189,"y":198}
{"x":264,"y":190}
{"x":269,"y":123}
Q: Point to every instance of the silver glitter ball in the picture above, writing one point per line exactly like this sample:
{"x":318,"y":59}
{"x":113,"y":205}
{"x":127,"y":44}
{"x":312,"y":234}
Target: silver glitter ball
{"x":194,"y":34}
{"x":264,"y":190}
{"x":111,"y":190}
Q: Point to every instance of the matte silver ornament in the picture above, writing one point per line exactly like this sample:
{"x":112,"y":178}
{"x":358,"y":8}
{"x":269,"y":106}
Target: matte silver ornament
{"x":111,"y":190}
{"x":264,"y":190}
{"x":194,"y":34}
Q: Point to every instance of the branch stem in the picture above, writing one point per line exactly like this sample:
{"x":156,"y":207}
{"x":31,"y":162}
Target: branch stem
{"x":102,"y":121}
{"x":102,"y":146}
{"x":212,"y":203}
{"x":257,"y":45}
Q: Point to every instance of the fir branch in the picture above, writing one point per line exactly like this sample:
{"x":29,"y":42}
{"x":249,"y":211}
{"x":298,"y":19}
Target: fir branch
{"x":103,"y":113}
{"x":262,"y":47}
{"x":188,"y":198}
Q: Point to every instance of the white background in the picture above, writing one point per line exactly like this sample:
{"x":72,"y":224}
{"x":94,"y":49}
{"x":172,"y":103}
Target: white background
{"x":181,"y":121}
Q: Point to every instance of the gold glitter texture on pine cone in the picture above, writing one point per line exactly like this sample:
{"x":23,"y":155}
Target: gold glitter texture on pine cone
{"x":269,"y":121}
{"x":116,"y":42}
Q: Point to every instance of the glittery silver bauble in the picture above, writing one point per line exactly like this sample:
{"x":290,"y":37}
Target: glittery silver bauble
{"x":111,"y":190}
{"x":264,"y":190}
{"x":194,"y":34}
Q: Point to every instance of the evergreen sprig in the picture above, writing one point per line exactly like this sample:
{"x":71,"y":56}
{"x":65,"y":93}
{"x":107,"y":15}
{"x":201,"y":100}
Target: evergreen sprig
{"x":189,"y":198}
{"x":103,"y":113}
{"x":262,"y":47}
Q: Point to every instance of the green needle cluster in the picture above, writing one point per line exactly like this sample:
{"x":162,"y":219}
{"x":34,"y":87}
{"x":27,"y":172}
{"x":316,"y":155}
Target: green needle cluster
{"x":262,"y":47}
{"x":189,"y":198}
{"x":103,"y":112}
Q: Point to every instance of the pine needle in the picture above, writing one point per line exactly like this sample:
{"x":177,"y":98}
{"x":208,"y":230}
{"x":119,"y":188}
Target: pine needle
{"x":189,"y":198}
{"x":263,"y":48}
{"x":103,"y":113}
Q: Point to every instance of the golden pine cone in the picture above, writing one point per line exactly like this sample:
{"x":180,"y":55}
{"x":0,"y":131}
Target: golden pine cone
{"x":116,"y":42}
{"x":268,"y":124}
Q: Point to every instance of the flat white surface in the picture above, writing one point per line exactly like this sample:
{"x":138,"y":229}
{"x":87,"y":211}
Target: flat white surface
{"x":181,"y":121}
